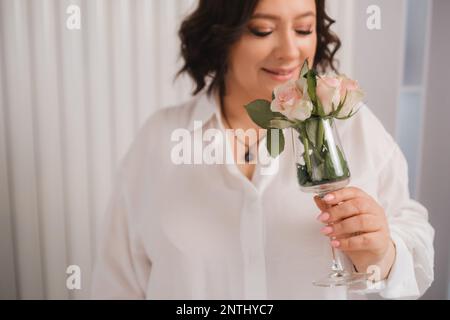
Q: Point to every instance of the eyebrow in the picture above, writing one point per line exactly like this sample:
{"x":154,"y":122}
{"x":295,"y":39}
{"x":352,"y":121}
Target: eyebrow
{"x":273,"y":17}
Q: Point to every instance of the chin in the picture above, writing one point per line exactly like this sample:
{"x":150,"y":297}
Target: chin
{"x":263,"y":93}
{"x":266,"y":96}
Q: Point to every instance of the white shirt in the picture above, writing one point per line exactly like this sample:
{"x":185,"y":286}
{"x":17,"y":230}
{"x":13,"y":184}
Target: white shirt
{"x":205,"y":231}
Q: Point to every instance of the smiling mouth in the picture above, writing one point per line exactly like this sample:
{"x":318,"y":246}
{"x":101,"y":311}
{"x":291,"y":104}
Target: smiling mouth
{"x":280,"y":73}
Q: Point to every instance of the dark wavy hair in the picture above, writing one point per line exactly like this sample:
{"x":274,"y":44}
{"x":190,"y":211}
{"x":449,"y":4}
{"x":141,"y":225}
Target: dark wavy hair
{"x":208,"y":33}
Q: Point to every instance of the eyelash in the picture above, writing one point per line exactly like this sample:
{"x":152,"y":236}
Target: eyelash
{"x":265,"y":34}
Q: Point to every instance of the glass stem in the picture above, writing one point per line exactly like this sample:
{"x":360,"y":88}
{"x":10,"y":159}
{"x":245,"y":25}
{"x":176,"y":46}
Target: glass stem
{"x":336,"y":265}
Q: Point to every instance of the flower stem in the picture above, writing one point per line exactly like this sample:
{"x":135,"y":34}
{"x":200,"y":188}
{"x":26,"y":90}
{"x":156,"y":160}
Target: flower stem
{"x":320,"y":135}
{"x":306,"y":157}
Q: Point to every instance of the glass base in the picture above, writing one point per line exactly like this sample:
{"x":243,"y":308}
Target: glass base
{"x":341,"y":278}
{"x":322,"y":189}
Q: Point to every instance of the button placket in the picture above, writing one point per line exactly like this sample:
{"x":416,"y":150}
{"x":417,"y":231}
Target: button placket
{"x":252,"y":242}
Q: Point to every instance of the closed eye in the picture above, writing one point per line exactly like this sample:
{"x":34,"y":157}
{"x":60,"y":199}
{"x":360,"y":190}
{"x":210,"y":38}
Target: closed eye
{"x":260,"y":33}
{"x":304,"y":32}
{"x":265,"y":34}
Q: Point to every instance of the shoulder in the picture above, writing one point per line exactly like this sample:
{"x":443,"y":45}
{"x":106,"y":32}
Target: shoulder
{"x":169,"y":118}
{"x":153,"y":138}
{"x":364,"y":128}
{"x":370,"y":128}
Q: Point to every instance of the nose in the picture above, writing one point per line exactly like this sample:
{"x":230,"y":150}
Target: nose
{"x":288,"y":48}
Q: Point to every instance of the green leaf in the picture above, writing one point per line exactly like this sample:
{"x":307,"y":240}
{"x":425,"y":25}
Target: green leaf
{"x":351,"y":114}
{"x":311,"y":130}
{"x":261,"y":114}
{"x":340,"y":106}
{"x":330,"y":167}
{"x":315,"y":132}
{"x":312,"y":84}
{"x":278,"y":137}
{"x":311,"y":81}
{"x":305,"y":69}
{"x":330,"y":171}
{"x":280,"y":123}
{"x":343,"y":163}
{"x":302,"y":175}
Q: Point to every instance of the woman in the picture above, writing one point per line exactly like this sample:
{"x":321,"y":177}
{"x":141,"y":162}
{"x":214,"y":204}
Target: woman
{"x":203,"y":230}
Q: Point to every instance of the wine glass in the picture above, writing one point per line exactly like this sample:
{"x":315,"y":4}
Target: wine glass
{"x":322,"y":168}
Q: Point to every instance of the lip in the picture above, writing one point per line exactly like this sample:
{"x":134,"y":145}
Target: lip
{"x":280,"y":74}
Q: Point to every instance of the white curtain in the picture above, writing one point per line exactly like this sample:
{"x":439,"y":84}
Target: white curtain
{"x":71,"y":102}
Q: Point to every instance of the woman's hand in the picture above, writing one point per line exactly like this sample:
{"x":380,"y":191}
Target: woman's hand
{"x":357,"y":225}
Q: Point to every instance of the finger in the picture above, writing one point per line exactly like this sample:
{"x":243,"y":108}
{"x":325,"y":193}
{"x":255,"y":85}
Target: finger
{"x":344,"y":194}
{"x":362,"y":223}
{"x":344,"y":236}
{"x":365,"y":241}
{"x":322,"y":205}
{"x":348,"y":209}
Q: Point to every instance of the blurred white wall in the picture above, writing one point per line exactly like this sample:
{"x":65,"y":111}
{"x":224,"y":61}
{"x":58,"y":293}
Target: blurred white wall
{"x":435,"y":157}
{"x":72,"y":101}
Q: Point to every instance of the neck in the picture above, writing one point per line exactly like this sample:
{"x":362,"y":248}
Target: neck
{"x":234,"y":112}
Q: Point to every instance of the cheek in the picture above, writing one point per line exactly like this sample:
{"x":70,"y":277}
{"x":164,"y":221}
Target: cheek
{"x":250,"y":54}
{"x":309,"y":49}
{"x":248,"y":58}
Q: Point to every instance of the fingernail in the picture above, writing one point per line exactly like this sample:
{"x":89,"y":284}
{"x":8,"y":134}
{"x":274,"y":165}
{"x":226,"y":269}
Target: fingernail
{"x":326,"y":230}
{"x":328,"y":197}
{"x":323,"y":217}
{"x":335,"y":243}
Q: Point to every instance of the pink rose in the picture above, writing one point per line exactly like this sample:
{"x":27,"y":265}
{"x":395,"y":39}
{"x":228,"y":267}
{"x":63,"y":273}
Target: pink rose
{"x":331,"y":91}
{"x":354,"y":95}
{"x":328,"y":92}
{"x":290,"y":101}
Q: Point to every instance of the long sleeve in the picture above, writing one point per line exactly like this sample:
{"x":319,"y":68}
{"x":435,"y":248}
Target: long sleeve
{"x":412,"y":272}
{"x":122,"y":269}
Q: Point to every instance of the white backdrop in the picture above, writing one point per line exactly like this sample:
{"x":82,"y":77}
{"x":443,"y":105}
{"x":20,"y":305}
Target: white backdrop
{"x":72,"y":101}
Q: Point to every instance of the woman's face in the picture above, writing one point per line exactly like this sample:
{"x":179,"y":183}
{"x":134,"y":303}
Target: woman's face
{"x":279,"y":37}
